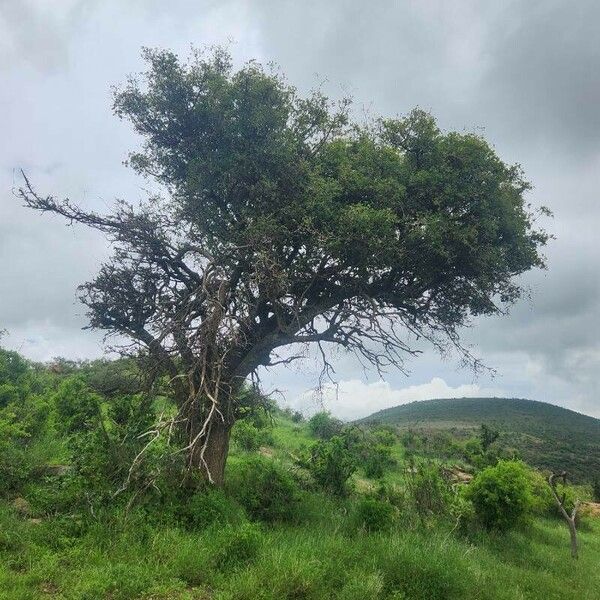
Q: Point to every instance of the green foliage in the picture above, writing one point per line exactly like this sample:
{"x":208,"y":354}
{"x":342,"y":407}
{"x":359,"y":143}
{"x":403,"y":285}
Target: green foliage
{"x":210,"y":506}
{"x":265,"y":490}
{"x":238,"y":545}
{"x":23,"y":423}
{"x":105,"y":438}
{"x":502,"y":495}
{"x":14,"y":466}
{"x":545,"y":436}
{"x":331,"y":464}
{"x":487,"y":436}
{"x":596,"y":489}
{"x":385,"y":435}
{"x":376,"y":460}
{"x":15,"y":377}
{"x":428,"y":489}
{"x":372,"y":514}
{"x":297,"y":417}
{"x":249,"y":437}
{"x":324,"y":426}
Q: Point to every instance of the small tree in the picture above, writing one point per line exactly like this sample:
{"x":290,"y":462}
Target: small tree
{"x":331,"y":464}
{"x":569,"y":517}
{"x":283,"y":223}
{"x":501,"y":494}
{"x":487,"y":436}
{"x":323,"y":425}
{"x":596,"y":489}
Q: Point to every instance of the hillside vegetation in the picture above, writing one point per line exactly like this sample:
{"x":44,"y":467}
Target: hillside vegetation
{"x":310,"y":510}
{"x":546,"y":436}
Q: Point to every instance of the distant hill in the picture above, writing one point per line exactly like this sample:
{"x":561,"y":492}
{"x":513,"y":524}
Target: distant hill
{"x":547,"y":436}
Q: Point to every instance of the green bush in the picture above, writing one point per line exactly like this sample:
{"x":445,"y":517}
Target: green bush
{"x":190,"y":561}
{"x":297,"y":417}
{"x":376,"y":460}
{"x":502,"y":495}
{"x":238,"y":545}
{"x":265,"y":490}
{"x":332,"y":464}
{"x":249,"y":437}
{"x":392,"y":494}
{"x":22,"y":426}
{"x":596,"y":489}
{"x":210,"y":506}
{"x":373,"y":515}
{"x":324,"y":426}
{"x":428,"y":489}
{"x":385,"y":435}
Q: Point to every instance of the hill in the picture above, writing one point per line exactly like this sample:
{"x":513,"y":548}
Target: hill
{"x":547,"y":436}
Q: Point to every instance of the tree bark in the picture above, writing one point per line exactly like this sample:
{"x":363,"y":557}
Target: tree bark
{"x":573,"y":533}
{"x":209,"y":456}
{"x":211,"y":462}
{"x":569,"y":518}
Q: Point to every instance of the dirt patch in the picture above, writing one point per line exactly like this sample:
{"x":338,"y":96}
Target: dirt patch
{"x":591,"y":509}
{"x":456,"y":475}
{"x":22,"y":506}
{"x":266,"y":451}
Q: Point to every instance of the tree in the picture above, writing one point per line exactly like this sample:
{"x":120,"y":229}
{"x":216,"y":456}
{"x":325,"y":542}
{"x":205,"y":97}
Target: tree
{"x":596,"y":489}
{"x":487,"y":436}
{"x":501,"y":494}
{"x":323,"y":425}
{"x":283,"y":223}
{"x":569,"y":517}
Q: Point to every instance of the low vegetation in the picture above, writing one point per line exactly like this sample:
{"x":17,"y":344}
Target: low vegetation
{"x":546,"y":436}
{"x":303,"y":514}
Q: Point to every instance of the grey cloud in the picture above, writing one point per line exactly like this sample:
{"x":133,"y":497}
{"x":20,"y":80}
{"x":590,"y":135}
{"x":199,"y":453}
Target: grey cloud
{"x":543,"y":78}
{"x":38,"y":33}
{"x":525,"y":72}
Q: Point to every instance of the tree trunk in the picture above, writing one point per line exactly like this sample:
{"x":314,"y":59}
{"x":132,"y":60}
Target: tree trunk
{"x":573,"y":532}
{"x":209,"y":454}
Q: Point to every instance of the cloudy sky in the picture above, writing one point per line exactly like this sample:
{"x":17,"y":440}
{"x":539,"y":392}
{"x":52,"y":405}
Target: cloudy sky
{"x":525,"y":73}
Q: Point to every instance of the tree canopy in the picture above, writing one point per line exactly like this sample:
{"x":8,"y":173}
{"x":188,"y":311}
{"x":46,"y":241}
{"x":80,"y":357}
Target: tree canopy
{"x":284,"y":222}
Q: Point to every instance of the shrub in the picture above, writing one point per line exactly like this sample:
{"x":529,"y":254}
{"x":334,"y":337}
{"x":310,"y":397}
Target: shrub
{"x":237,"y":546}
{"x":324,"y":426}
{"x":542,"y":500}
{"x":376,"y":460}
{"x":249,"y":437}
{"x":22,"y":425}
{"x":211,"y":506}
{"x":429,"y":491}
{"x":392,"y":494}
{"x":332,"y":464}
{"x":373,"y":515}
{"x":385,"y":435}
{"x":190,"y":562}
{"x":501,"y":495}
{"x":264,"y":489}
{"x":14,"y":466}
{"x":596,"y":489}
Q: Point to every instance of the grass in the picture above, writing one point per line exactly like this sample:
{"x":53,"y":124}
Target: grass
{"x":132,"y":559}
{"x":319,"y":553}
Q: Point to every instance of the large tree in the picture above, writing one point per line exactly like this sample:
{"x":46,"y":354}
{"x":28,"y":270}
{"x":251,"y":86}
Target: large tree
{"x":281,"y":222}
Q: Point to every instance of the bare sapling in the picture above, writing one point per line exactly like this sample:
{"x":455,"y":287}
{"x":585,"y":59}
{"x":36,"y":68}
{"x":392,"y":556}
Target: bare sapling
{"x":569,"y":517}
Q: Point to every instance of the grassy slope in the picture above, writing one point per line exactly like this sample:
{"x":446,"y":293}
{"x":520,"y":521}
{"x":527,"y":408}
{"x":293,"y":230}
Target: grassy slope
{"x":547,"y":436}
{"x":322,"y":557}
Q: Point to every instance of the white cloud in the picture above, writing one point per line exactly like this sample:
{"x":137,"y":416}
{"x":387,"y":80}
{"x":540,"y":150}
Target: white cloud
{"x":353,"y":399}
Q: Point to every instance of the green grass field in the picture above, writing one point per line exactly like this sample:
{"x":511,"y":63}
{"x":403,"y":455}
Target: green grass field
{"x":319,"y":554}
